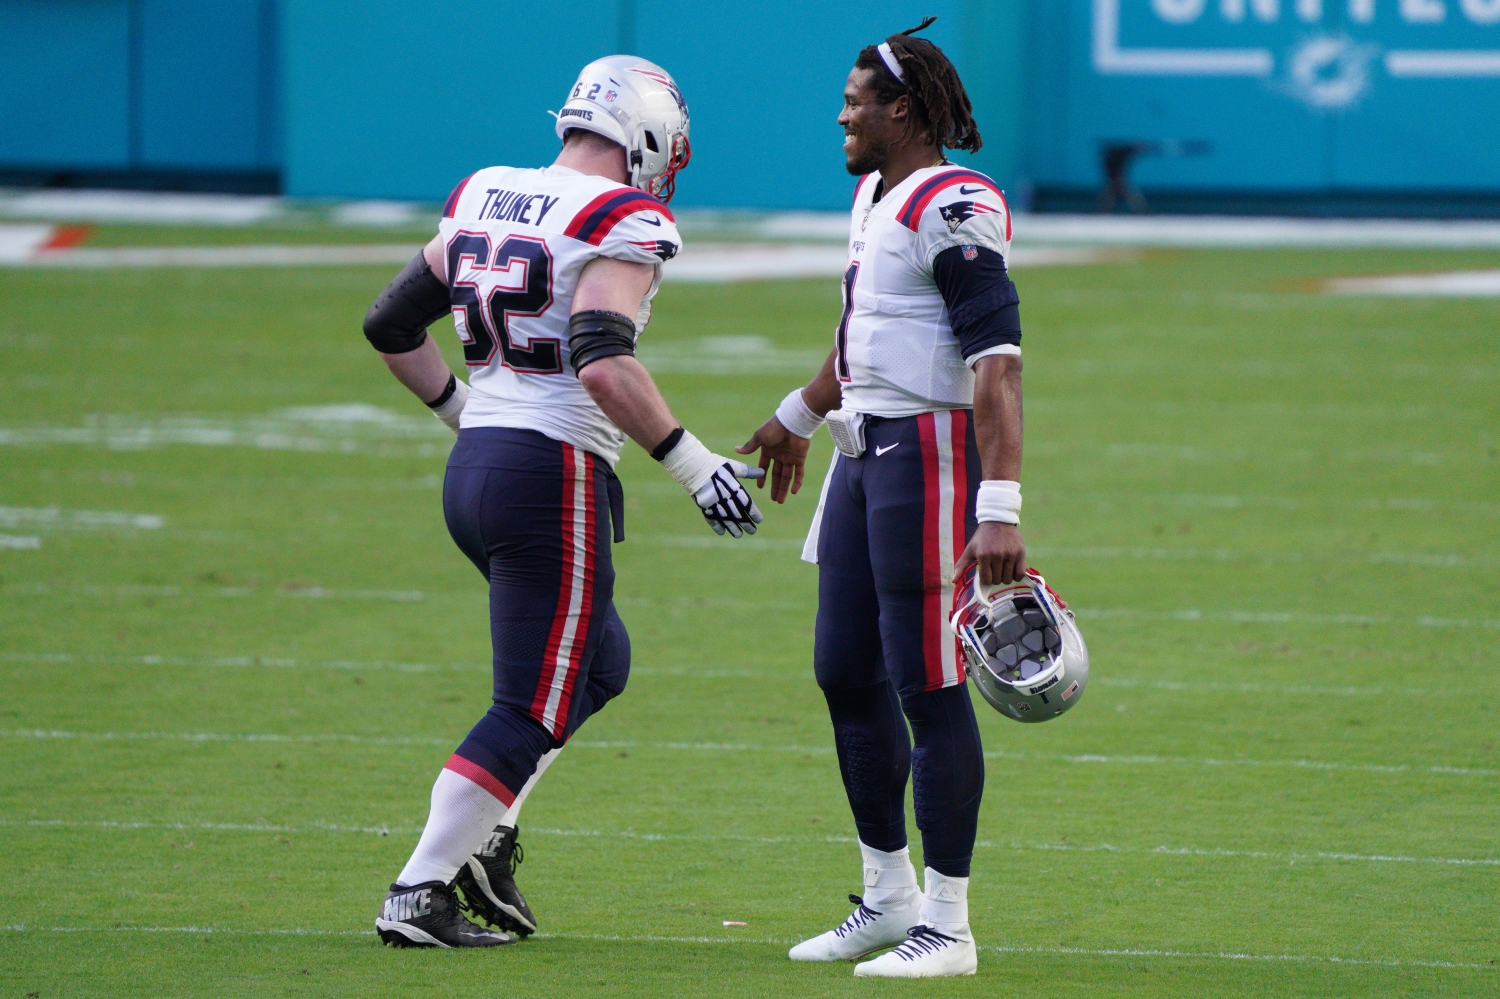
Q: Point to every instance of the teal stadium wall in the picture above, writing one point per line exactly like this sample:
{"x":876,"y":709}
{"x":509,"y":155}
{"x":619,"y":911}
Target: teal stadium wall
{"x":405,"y":99}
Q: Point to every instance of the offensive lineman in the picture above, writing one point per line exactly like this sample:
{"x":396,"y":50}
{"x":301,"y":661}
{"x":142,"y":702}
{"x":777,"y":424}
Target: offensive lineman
{"x":927,"y":369}
{"x":549,"y":275}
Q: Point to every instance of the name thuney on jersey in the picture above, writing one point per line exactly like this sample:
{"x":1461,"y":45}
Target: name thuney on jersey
{"x":960,"y":212}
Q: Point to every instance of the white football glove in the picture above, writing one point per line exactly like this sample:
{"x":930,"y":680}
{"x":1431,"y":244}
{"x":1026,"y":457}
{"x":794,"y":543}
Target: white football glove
{"x":713,"y":482}
{"x":726,"y":505}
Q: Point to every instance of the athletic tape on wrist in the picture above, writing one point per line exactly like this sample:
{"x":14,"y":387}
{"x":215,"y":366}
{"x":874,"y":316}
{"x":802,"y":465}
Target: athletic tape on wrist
{"x":794,"y":414}
{"x":690,"y":463}
{"x":998,"y":502}
{"x":451,"y":408}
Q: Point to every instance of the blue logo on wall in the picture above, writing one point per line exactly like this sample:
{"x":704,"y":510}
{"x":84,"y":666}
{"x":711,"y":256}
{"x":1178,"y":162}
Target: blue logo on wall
{"x":1326,"y":53}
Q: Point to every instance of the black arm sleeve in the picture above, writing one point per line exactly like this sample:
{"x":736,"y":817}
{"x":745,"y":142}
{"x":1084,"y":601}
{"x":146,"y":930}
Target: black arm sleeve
{"x":983,"y":306}
{"x":398,"y":318}
{"x":597,"y":333}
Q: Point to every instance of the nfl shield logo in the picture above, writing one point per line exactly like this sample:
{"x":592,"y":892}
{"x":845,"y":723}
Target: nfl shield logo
{"x":970,"y":252}
{"x":610,"y":95}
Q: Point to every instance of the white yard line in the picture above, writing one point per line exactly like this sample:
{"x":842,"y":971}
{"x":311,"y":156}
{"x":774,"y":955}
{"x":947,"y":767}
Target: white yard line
{"x":157,"y":207}
{"x":778,"y":942}
{"x":652,"y":837}
{"x":741,"y":747}
{"x":52,"y":518}
{"x":20,"y":542}
{"x":1448,"y":284}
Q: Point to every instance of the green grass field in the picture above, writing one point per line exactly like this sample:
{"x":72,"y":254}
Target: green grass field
{"x":1278,"y":512}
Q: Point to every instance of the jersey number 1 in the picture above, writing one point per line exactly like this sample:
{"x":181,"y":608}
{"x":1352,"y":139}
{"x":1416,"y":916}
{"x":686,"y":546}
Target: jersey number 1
{"x":491,"y":289}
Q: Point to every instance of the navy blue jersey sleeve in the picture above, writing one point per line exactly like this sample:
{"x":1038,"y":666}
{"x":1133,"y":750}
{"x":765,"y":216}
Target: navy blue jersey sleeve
{"x":983,"y":307}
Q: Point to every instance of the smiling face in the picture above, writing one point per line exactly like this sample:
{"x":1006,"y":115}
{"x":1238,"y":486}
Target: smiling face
{"x":871,"y":129}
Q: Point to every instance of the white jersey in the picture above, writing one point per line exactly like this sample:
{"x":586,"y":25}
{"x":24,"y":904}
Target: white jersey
{"x":515,"y":243}
{"x":898,"y":354}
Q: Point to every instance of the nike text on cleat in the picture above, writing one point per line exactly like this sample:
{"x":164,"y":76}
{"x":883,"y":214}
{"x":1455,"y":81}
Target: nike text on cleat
{"x":864,"y":932}
{"x":925,"y":954}
{"x":429,"y":915}
{"x":488,"y":881}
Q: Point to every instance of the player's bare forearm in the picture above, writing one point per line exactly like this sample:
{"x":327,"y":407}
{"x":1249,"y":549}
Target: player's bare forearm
{"x":997,"y":548}
{"x":782,"y":451}
{"x":624,"y":390}
{"x":422,"y":370}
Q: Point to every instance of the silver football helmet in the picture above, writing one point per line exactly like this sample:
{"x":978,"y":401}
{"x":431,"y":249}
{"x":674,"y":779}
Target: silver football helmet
{"x":1021,"y":647}
{"x":637,"y":104}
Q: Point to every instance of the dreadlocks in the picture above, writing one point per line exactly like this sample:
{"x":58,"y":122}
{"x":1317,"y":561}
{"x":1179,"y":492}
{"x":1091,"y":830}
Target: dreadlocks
{"x":940,"y":105}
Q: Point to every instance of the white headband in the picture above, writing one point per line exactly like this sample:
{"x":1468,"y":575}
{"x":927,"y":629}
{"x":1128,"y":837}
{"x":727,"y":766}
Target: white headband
{"x":890,"y":60}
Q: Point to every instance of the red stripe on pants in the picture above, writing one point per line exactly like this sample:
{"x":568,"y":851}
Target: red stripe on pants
{"x":564,"y":589}
{"x":932,"y":563}
{"x":586,"y":606}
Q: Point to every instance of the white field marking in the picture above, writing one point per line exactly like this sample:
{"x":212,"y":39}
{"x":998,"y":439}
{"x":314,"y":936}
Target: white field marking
{"x":835,"y":840}
{"x":274,"y":662}
{"x":1422,"y":559}
{"x":229,"y":592}
{"x":1390,"y":504}
{"x":741,"y":747}
{"x":19,"y":243}
{"x":1286,"y":617}
{"x":1184,"y":452}
{"x":141,"y":206}
{"x":228,"y":737}
{"x":20,"y":542}
{"x":151,"y":257}
{"x":50,"y":517}
{"x":346,"y":428}
{"x":777,"y":941}
{"x":752,"y":543}
{"x":1449,"y":284}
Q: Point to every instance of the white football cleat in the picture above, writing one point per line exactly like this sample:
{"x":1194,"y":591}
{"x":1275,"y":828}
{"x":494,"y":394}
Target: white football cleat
{"x":864,"y":932}
{"x":927,"y":953}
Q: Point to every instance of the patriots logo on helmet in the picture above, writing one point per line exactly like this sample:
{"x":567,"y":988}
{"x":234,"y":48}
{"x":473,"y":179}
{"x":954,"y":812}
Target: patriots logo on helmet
{"x":663,"y":248}
{"x":670,"y":84}
{"x":960,"y":212}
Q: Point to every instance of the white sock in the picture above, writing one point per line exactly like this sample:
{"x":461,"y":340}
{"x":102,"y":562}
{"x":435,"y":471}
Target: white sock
{"x":462,"y":815}
{"x":890,"y":879}
{"x":514,"y":811}
{"x":945,"y":904}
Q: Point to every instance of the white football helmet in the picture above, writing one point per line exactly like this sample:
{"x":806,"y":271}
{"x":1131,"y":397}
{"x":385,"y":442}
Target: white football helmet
{"x":1021,"y":646}
{"x":637,"y":104}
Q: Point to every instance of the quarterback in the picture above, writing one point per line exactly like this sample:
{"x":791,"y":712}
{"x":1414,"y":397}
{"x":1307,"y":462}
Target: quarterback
{"x":922,"y":396}
{"x":549,"y":275}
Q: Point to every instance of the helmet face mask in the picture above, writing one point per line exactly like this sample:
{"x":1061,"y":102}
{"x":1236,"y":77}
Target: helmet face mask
{"x":1021,"y":647}
{"x":638,"y":105}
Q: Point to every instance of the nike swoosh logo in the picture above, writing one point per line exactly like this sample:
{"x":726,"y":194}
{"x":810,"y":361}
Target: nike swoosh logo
{"x":970,"y":190}
{"x":650,"y":221}
{"x":882,"y":450}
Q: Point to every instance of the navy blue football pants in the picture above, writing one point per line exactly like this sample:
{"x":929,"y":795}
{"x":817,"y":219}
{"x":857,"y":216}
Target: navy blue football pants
{"x":534,"y":515}
{"x":891,"y":524}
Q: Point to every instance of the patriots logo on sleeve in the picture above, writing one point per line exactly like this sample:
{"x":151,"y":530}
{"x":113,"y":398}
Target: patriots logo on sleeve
{"x":663,"y":248}
{"x":960,"y":212}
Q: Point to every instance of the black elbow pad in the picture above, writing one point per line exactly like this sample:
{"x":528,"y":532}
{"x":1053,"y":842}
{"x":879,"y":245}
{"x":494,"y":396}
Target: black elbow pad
{"x":595,"y":333}
{"x":398,"y":318}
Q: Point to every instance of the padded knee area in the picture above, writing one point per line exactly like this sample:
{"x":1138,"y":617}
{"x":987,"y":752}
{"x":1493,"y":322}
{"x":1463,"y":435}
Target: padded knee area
{"x":947,"y":764}
{"x":874,"y":759}
{"x":506,"y":742}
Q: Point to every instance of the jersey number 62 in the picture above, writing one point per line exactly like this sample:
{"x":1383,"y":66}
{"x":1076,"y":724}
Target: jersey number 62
{"x":493,"y":287}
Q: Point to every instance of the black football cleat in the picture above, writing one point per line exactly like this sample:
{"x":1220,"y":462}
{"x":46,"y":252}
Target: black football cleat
{"x":488,"y":882}
{"x":430,"y":915}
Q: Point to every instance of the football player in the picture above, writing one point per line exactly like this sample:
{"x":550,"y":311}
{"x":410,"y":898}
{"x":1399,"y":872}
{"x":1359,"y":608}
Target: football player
{"x":549,"y":276}
{"x":922,"y":395}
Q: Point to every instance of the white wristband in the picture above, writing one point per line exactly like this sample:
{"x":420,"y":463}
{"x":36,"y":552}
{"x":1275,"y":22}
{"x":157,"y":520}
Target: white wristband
{"x":998,"y":502}
{"x":796,"y":417}
{"x":690,"y":463}
{"x":450,"y":411}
